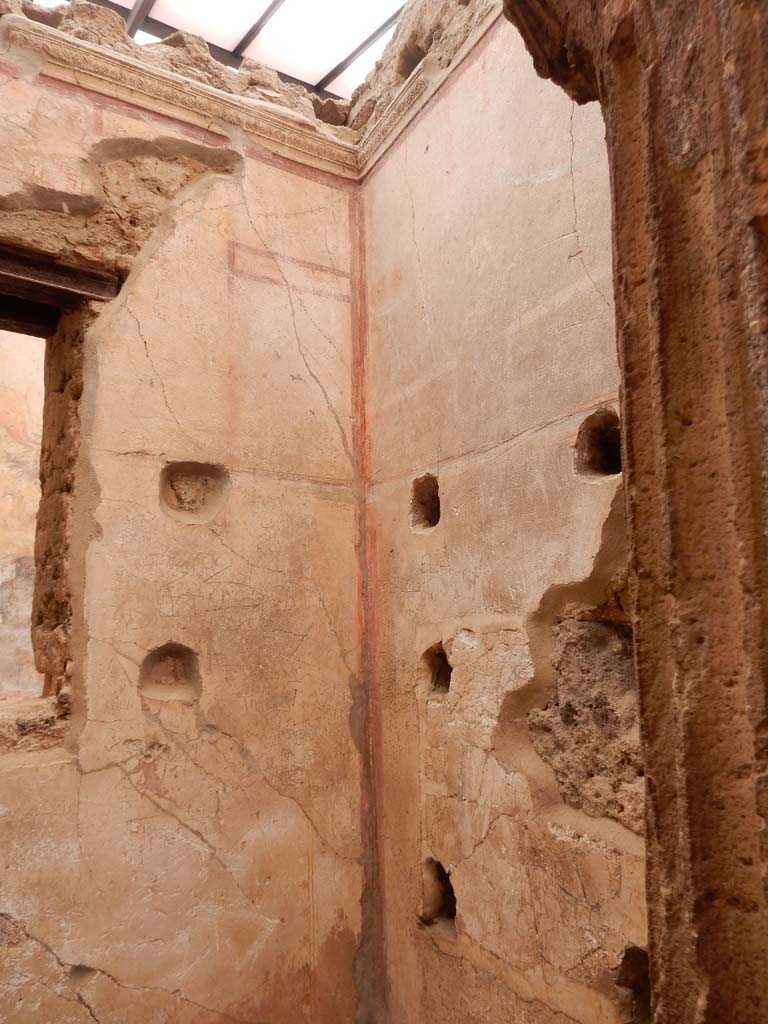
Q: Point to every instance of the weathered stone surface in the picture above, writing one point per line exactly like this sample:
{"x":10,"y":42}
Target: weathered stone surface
{"x":10,"y":7}
{"x":434,"y":28}
{"x":590,"y":732}
{"x":95,"y":24}
{"x":184,"y":54}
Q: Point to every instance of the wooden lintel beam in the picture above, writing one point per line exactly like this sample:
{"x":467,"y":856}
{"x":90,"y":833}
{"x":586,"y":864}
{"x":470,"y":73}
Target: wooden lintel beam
{"x":24,"y":317}
{"x":42,"y":280}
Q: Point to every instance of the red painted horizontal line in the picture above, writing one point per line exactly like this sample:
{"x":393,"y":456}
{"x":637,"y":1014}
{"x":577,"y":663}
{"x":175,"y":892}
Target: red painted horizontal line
{"x":260,"y":154}
{"x":265,"y":254}
{"x":265,"y":279}
{"x":133,"y":110}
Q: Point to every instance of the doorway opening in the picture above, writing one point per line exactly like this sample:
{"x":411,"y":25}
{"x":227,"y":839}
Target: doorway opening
{"x":40,"y":386}
{"x":22,"y":391}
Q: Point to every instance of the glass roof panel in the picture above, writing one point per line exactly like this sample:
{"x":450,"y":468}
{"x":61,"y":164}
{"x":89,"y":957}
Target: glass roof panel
{"x":357,"y":71}
{"x":305,"y":38}
{"x":221,"y":22}
{"x":143,"y":38}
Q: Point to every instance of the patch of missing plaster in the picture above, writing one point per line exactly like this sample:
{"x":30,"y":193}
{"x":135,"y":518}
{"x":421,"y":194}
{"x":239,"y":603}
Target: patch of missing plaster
{"x":193,"y":492}
{"x":589,"y":731}
{"x":49,"y":200}
{"x":438,"y":28}
{"x":186,"y":55}
{"x":135,"y":181}
{"x":52,"y":601}
{"x":30,"y":723}
{"x":580,"y":710}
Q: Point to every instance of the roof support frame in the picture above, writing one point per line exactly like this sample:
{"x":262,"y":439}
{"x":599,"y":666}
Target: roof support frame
{"x":342,"y":66}
{"x":138,"y":15}
{"x":227,"y":57}
{"x":257,"y":26}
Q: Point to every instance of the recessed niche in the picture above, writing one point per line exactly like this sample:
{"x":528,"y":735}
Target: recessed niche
{"x":193,"y":492}
{"x":598,"y":444}
{"x":409,"y":58}
{"x":425,"y":502}
{"x":79,"y":974}
{"x":634,"y":983}
{"x":439,"y":898}
{"x":170,"y":672}
{"x":437,"y":670}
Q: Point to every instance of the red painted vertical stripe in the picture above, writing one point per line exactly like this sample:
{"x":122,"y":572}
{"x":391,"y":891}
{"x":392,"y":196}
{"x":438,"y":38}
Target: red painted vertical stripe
{"x":366,"y":624}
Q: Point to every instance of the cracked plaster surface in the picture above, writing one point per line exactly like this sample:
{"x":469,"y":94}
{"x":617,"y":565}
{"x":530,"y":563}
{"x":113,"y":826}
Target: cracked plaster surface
{"x":179,"y":829}
{"x":548,"y":896}
{"x":230,"y":887}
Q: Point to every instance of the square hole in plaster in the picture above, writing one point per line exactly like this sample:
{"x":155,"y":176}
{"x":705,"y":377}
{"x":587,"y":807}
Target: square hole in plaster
{"x":425,"y":502}
{"x":437,"y":670}
{"x":438,"y":898}
{"x":598,"y":444}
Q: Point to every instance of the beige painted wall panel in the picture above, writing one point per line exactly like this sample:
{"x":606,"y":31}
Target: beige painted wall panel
{"x":194,"y":858}
{"x":490,"y":340}
{"x":476,"y":269}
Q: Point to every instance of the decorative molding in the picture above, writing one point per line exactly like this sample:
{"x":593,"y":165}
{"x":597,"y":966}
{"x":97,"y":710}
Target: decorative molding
{"x":384,"y":129}
{"x":280,"y":128}
{"x":283,"y":131}
{"x":417,"y":91}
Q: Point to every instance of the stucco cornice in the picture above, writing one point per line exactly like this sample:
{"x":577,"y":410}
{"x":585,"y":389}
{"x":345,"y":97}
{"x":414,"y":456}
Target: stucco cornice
{"x":281,"y":130}
{"x":415,"y":94}
{"x":113,"y":74}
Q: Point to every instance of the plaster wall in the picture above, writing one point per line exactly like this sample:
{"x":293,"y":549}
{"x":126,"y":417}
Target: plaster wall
{"x":236,"y":827}
{"x":192,"y":859}
{"x":490,"y":340}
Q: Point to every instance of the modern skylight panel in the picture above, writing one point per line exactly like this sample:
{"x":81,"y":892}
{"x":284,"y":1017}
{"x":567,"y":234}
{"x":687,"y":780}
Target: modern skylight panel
{"x":143,"y":38}
{"x":221,"y":22}
{"x":305,"y":38}
{"x":358,"y":70}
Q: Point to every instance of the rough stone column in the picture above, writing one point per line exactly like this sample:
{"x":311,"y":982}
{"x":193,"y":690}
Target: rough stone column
{"x":684,"y":90}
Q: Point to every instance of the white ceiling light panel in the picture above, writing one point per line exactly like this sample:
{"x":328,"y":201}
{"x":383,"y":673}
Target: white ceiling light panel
{"x":221,"y":22}
{"x":306,"y":38}
{"x":359,"y":69}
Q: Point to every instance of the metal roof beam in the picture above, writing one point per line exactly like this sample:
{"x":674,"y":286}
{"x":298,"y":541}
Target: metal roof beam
{"x":342,"y":66}
{"x":257,"y":26}
{"x":138,"y":15}
{"x":226,"y":57}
